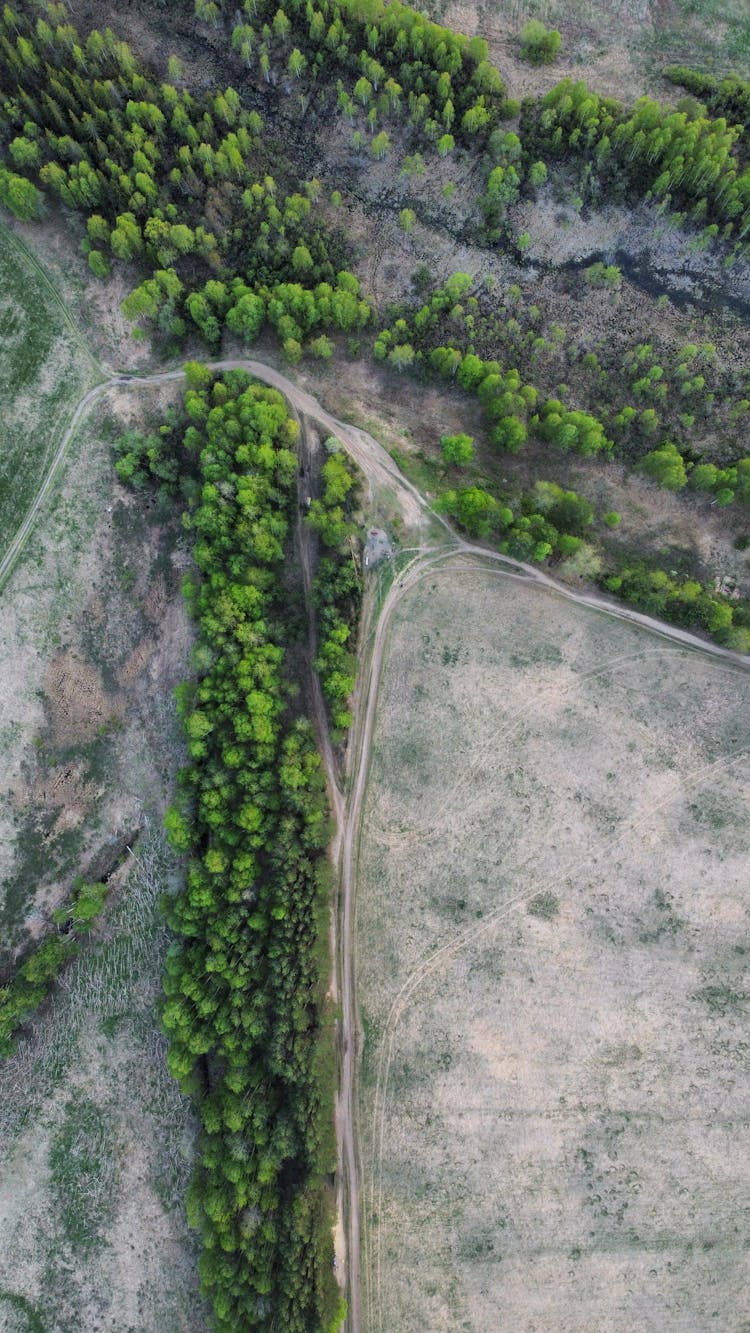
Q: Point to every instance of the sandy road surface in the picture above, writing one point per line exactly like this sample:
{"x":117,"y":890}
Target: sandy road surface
{"x":380,"y":470}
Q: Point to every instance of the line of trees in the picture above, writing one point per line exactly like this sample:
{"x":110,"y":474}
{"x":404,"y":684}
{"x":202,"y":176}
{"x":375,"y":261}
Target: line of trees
{"x":32,"y":982}
{"x":244,"y":988}
{"x":548,"y":522}
{"x":337,"y":589}
{"x":728,"y":97}
{"x":510,"y":407}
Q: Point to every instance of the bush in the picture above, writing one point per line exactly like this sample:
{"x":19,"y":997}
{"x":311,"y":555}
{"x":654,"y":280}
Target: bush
{"x":539,"y":45}
{"x":666,"y":467}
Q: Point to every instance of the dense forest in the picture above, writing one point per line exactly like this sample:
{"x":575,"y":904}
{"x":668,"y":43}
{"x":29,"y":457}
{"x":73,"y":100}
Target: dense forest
{"x":245,"y":989}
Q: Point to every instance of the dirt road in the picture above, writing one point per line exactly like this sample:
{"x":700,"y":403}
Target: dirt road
{"x":380,"y":471}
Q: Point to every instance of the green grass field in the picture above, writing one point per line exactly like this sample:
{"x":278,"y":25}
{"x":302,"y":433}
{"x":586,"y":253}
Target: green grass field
{"x":45,"y":367}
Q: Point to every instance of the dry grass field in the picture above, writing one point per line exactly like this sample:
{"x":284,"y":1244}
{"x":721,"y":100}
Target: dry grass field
{"x":618,"y":46}
{"x":552,"y":956}
{"x":96,"y":1142}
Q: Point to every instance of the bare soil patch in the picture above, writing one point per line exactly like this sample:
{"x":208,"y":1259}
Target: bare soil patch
{"x":552,"y":935}
{"x":77,"y":702}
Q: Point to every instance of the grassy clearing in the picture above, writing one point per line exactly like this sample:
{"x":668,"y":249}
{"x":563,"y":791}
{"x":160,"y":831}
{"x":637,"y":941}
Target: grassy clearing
{"x":558,"y":803}
{"x":44,"y":370}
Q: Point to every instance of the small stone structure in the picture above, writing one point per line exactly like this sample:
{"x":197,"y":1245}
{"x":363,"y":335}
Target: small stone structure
{"x":378,"y":547}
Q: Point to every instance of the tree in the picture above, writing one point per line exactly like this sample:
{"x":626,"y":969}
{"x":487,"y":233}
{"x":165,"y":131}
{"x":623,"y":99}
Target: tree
{"x":296,"y":64}
{"x":246,"y":317}
{"x":363,"y":90}
{"x":537,"y":175}
{"x":401,"y":357}
{"x":302,"y":260}
{"x":407,"y":218}
{"x":23,"y":199}
{"x":98,"y":264}
{"x":380,"y":145}
{"x":457,"y":449}
{"x":126,"y":239}
{"x":665,"y":466}
{"x":509,"y":434}
{"x":321,"y":347}
{"x":25,"y":153}
{"x":539,"y":45}
{"x":568,"y":511}
{"x":292,"y":349}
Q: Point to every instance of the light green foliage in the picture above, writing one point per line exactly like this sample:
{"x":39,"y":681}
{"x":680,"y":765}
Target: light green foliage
{"x":476,"y":510}
{"x":23,"y":994}
{"x":380,"y":145}
{"x":292,"y":349}
{"x":337,"y":590}
{"x":457,"y":449}
{"x":572,"y":429}
{"x":251,"y":815}
{"x":539,"y":45}
{"x":603,"y":275}
{"x":296,"y":63}
{"x":401,"y":357}
{"x":321,"y":347}
{"x":666,"y":467}
{"x":20,"y":196}
{"x":98,"y":263}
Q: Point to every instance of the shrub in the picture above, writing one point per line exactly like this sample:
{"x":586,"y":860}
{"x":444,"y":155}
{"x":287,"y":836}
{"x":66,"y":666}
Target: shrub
{"x":539,"y":45}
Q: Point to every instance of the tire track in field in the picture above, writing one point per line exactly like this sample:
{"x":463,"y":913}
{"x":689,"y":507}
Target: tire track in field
{"x":430,"y":965}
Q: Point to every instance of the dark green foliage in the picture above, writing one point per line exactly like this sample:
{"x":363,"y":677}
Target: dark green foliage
{"x":544,"y":905}
{"x":244,"y":990}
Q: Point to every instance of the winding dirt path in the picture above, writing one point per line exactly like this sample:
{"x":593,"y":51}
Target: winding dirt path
{"x":379,"y":470}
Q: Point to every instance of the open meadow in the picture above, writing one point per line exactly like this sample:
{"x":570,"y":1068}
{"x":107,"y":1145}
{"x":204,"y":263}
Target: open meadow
{"x":551,"y":962}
